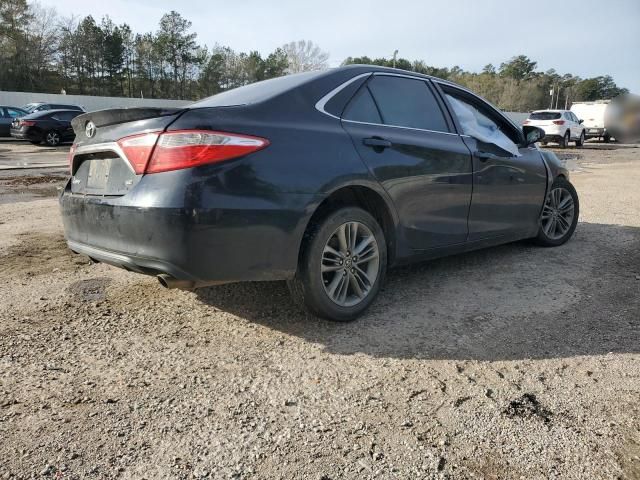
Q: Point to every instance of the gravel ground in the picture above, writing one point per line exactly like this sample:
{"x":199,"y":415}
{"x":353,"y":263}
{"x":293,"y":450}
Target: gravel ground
{"x":512,"y":362}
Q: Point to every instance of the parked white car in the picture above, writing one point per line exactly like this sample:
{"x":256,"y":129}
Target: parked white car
{"x":561,"y":126}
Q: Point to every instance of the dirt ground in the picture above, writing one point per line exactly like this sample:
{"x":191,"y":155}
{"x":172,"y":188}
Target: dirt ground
{"x":515,"y":362}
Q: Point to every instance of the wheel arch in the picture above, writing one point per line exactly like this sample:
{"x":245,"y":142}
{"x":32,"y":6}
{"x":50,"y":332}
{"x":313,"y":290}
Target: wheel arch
{"x":364,"y":196}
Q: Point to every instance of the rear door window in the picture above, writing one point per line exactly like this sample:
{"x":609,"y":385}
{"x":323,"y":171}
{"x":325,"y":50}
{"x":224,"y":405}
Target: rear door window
{"x":407,"y":102}
{"x":14,"y":113}
{"x":65,"y":116}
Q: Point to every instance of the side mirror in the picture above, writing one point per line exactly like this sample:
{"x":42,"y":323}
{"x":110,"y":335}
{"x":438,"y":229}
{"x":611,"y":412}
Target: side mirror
{"x":580,"y":121}
{"x":532,"y":135}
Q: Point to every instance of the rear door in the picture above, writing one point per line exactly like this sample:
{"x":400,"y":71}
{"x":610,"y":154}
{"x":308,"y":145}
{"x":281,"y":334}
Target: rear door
{"x":576,"y":127}
{"x":64,"y":127}
{"x":508,"y":186}
{"x":400,"y":130}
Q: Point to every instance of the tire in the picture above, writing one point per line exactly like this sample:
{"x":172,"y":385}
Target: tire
{"x":564,"y":141}
{"x":606,"y":138}
{"x":565,"y":224}
{"x":52,"y":138}
{"x":544,"y":144}
{"x":312,"y":287}
{"x":580,"y":141}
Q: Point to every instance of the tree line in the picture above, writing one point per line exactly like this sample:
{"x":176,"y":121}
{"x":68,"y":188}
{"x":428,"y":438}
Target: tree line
{"x":515,"y":85}
{"x":41,"y":51}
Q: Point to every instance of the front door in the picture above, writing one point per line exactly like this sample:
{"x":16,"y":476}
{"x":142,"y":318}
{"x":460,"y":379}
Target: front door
{"x":509,"y":183}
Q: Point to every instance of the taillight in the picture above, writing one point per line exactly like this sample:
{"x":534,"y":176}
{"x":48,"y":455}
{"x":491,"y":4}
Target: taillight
{"x":558,"y":122}
{"x":137,"y":149}
{"x":154,"y":153}
{"x":27,"y":123}
{"x":72,"y":152}
{"x":526,"y":122}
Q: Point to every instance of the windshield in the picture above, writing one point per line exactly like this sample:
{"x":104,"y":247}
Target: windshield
{"x":256,"y":92}
{"x":545,"y":116}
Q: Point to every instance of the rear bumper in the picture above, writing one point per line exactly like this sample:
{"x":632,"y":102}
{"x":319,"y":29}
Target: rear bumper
{"x":24,"y":135}
{"x":129,"y":262}
{"x":556,"y":131}
{"x":195,"y":236}
{"x":594,"y":132}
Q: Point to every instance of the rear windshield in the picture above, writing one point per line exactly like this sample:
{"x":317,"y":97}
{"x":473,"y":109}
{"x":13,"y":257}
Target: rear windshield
{"x":67,"y":107}
{"x":40,"y":114}
{"x":545,"y":116}
{"x":256,"y":92}
{"x":30,"y":107}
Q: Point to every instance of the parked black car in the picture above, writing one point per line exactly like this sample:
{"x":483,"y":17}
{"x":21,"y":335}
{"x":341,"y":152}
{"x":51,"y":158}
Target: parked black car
{"x":50,"y":126}
{"x":7,"y":115}
{"x":41,"y":106}
{"x":322,"y":179}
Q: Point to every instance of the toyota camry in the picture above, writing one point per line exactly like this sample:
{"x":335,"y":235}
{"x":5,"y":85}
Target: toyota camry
{"x":323,"y":179}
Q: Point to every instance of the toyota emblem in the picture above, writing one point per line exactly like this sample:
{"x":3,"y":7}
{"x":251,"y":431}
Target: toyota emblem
{"x":90,"y":129}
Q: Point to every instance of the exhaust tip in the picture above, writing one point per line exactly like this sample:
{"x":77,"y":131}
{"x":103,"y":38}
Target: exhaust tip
{"x":163,"y":280}
{"x":167,"y":281}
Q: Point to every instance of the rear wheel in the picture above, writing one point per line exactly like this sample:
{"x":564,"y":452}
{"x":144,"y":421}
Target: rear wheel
{"x":52,"y":138}
{"x":564,"y":141}
{"x":342,"y":266}
{"x":559,"y":214}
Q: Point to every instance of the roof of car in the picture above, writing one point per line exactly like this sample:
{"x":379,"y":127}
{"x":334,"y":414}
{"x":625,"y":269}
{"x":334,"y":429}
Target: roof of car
{"x":49,"y":112}
{"x":550,"y":110}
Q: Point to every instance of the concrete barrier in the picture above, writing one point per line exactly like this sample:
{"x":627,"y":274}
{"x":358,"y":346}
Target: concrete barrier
{"x":88,"y":102}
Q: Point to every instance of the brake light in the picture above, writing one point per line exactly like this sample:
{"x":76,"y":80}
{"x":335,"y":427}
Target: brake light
{"x":558,"y":122}
{"x":27,"y":123}
{"x":72,"y":152}
{"x":154,"y":152}
{"x":137,"y":149}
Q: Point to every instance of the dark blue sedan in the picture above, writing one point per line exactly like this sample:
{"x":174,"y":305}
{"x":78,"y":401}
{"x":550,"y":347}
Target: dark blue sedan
{"x":323,"y":179}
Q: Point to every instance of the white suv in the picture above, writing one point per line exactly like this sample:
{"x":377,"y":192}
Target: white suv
{"x":560,"y":126}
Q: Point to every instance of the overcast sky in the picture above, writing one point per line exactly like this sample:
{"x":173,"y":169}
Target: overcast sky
{"x":583,"y":37}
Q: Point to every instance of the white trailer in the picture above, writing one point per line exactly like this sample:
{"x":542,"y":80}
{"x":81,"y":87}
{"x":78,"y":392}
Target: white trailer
{"x":593,"y":114}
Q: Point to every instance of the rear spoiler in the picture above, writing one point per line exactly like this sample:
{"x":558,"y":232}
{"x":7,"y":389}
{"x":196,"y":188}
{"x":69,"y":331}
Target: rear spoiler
{"x":102,"y":118}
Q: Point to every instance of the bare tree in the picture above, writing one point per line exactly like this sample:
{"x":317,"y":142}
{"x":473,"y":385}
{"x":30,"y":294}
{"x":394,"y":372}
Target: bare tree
{"x":43,"y":34}
{"x":304,"y":56}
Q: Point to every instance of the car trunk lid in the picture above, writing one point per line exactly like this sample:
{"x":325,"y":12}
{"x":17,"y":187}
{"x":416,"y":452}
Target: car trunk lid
{"x":98,"y":165}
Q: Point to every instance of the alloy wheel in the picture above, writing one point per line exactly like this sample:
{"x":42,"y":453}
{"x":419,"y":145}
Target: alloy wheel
{"x":53,"y":138}
{"x":350,"y":264}
{"x":558,"y":213}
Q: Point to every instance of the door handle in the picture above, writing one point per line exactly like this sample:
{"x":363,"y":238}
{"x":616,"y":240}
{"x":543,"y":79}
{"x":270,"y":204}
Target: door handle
{"x":377,"y":143}
{"x":484,"y":156}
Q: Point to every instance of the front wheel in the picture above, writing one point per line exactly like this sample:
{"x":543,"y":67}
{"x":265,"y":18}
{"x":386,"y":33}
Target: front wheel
{"x":342,"y":266}
{"x":559,"y":214}
{"x":580,"y":141}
